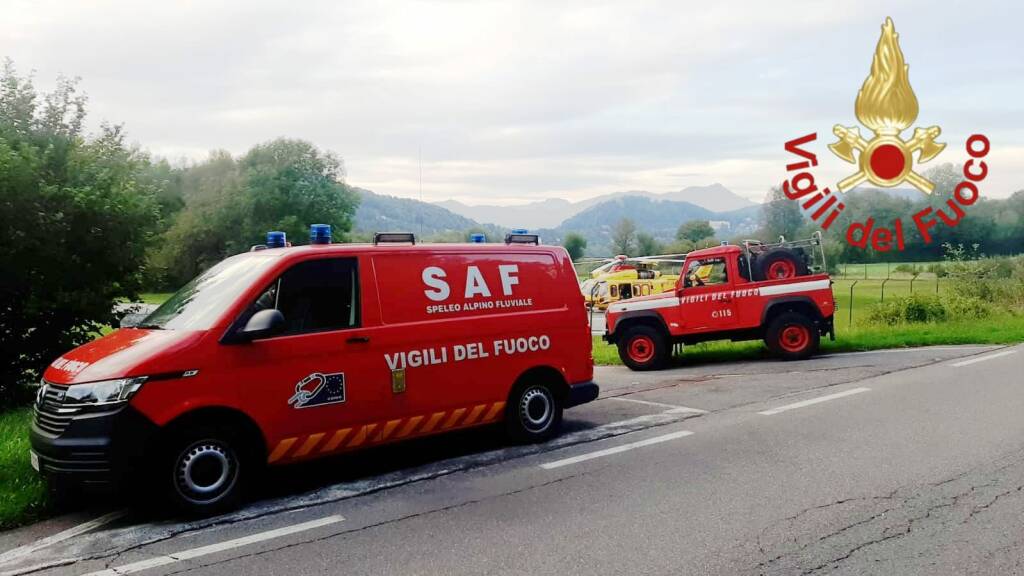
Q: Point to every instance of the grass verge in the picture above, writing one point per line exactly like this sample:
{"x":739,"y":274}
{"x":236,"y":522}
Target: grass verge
{"x":23,"y":493}
{"x":1001,"y":329}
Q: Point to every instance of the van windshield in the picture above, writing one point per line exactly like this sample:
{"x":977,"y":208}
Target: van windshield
{"x":200,"y":302}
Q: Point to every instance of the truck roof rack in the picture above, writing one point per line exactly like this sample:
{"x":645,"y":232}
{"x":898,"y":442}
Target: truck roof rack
{"x":512,"y":238}
{"x":394,"y":238}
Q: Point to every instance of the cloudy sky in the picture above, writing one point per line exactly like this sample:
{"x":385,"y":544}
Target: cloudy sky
{"x":507,"y":102}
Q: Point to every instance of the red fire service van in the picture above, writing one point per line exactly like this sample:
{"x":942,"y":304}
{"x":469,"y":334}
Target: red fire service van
{"x":284,"y":354}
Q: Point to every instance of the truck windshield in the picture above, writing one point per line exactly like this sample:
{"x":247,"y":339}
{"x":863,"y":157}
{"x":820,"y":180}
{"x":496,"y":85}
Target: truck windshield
{"x":200,"y":302}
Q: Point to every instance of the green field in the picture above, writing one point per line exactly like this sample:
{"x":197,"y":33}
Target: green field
{"x":853,"y":333}
{"x":1004,"y":329}
{"x":884,"y":270}
{"x":868,"y":292}
{"x":22,"y":492}
{"x":154,"y":297}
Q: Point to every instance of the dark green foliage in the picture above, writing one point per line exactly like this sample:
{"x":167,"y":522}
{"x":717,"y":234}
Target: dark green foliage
{"x":695,"y":230}
{"x":76,"y":214}
{"x":230,"y":204}
{"x":575,"y":244}
{"x":647,"y":245}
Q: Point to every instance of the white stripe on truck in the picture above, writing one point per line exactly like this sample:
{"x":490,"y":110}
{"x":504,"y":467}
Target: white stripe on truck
{"x":774,"y":290}
{"x":790,"y":288}
{"x":645,"y":305}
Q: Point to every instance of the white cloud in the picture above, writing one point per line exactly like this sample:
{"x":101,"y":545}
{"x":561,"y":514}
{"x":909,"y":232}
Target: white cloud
{"x":520,"y":100}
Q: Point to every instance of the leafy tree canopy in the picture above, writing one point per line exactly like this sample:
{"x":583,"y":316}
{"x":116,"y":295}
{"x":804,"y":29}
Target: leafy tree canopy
{"x":77,"y":214}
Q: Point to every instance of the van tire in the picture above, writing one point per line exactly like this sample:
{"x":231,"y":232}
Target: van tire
{"x":203,"y":469}
{"x":792,"y":336}
{"x":780,"y":264}
{"x":643,"y":347}
{"x":533,"y":412}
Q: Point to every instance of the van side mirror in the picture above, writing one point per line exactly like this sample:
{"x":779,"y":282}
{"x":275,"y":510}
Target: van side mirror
{"x":262,"y":324}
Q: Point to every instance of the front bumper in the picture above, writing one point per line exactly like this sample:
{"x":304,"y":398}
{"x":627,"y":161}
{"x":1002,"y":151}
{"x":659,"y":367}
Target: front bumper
{"x":94,"y":447}
{"x":828,"y":327}
{"x":581,"y":393}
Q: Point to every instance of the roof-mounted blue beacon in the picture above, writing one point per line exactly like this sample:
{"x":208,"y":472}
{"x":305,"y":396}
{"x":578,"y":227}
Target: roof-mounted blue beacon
{"x":320,"y":234}
{"x":477,"y":238}
{"x":276,"y":239}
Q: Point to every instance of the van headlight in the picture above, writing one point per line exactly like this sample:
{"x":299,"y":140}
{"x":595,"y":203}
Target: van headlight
{"x":104,"y":392}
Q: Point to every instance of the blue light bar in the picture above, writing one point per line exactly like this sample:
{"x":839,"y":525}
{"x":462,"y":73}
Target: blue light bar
{"x":320,"y":234}
{"x":477,"y":238}
{"x":518,"y":231}
{"x":276,"y":239}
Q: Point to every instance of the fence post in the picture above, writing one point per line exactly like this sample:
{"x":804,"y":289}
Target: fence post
{"x":865,"y":270}
{"x":883,"y":288}
{"x":912,"y":278}
{"x":888,"y":271}
{"x":936,"y":284}
{"x":850,"y":321}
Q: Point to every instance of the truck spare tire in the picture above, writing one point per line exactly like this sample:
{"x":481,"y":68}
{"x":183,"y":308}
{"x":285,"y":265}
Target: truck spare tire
{"x":779,"y":264}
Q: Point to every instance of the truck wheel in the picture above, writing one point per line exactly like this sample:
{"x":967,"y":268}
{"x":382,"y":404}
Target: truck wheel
{"x":643,"y":348}
{"x":203,"y":470}
{"x":533,"y":412}
{"x":780,"y":264}
{"x":792,"y":336}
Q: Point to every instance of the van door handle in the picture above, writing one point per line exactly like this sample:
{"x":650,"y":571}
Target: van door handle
{"x":358,"y":340}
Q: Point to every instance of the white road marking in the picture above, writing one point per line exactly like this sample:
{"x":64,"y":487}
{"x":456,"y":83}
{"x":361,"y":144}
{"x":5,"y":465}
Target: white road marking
{"x":812,"y":401}
{"x":983,"y":358}
{"x":900,"y":350}
{"x":214,"y":548}
{"x":60,"y":536}
{"x":614,"y":450}
{"x":673,"y":408}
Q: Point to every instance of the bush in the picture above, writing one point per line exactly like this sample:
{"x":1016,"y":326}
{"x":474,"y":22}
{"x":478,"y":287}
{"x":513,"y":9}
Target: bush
{"x":919,"y":308}
{"x":964,"y":307}
{"x":75,"y":220}
{"x":904,"y":309}
{"x":906,"y":268}
{"x":938,"y":269}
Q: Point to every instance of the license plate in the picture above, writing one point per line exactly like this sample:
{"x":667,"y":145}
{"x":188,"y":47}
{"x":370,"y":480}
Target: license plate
{"x":34,"y":459}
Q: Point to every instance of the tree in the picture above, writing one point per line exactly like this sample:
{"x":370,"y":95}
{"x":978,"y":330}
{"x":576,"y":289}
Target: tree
{"x":623,"y":237}
{"x":231,"y":204}
{"x":575,"y":244}
{"x":780,"y":216}
{"x":76,"y":217}
{"x":647,"y":245}
{"x":695,"y":231}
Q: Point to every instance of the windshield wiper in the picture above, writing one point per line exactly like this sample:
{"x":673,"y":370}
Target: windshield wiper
{"x":149,"y":326}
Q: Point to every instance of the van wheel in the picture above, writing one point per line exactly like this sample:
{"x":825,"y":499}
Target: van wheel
{"x":792,"y":336}
{"x":643,"y":348}
{"x":780,"y":264}
{"x":533,"y":413}
{"x":203,"y":470}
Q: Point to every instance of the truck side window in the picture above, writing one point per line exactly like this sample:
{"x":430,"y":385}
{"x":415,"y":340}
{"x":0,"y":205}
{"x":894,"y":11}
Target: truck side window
{"x":316,"y":295}
{"x":706,"y":272}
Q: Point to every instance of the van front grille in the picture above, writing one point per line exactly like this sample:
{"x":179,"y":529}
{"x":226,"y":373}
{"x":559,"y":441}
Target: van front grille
{"x":51,"y":413}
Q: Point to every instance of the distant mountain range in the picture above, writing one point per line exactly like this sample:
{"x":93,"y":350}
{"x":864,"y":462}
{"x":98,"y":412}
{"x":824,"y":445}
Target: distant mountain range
{"x":553,"y":212}
{"x":659,"y":218}
{"x":380,"y":213}
{"x":656,"y":214}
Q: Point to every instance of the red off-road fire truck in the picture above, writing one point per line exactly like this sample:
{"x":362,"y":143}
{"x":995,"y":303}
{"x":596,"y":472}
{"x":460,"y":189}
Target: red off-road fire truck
{"x":286,"y":354}
{"x":749,"y":292}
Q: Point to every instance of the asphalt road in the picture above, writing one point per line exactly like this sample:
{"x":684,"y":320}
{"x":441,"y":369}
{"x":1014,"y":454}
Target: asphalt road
{"x":889,"y":462}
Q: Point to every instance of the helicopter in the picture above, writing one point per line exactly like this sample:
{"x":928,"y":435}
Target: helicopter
{"x":622,"y":277}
